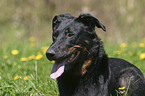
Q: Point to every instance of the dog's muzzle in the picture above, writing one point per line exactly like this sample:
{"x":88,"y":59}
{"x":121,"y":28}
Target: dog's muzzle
{"x":50,"y":54}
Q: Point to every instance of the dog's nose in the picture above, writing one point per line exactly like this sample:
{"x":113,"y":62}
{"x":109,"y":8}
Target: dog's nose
{"x":50,"y":54}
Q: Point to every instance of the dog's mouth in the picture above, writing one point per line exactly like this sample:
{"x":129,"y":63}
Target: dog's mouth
{"x":59,"y":66}
{"x":73,"y":57}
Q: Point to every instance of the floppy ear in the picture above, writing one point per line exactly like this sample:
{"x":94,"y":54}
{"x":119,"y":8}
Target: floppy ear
{"x":55,"y":22}
{"x":59,"y":18}
{"x":89,"y":20}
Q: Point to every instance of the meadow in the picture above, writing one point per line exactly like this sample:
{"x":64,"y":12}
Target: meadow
{"x":25,"y":35}
{"x":25,"y":70}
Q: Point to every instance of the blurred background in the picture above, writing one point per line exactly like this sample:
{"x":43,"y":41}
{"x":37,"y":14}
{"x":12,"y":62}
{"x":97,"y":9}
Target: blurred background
{"x":20,"y":19}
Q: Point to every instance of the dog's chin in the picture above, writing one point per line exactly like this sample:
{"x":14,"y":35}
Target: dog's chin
{"x":60,"y":66}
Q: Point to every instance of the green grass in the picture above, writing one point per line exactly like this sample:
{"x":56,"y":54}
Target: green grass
{"x":131,"y":53}
{"x":38,"y":83}
{"x":38,"y":71}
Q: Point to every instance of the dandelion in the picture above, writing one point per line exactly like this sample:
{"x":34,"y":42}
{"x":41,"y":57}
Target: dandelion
{"x":26,"y":77}
{"x":38,"y":57}
{"x":44,"y":49}
{"x":123,"y":45}
{"x":5,"y":57}
{"x":52,"y":62}
{"x":23,"y":59}
{"x":118,"y":52}
{"x":142,"y":56}
{"x":15,"y":52}
{"x":32,"y":44}
{"x":142,"y":45}
{"x":32,"y":39}
{"x":31,"y":57}
{"x":121,"y":88}
{"x":16,"y":78}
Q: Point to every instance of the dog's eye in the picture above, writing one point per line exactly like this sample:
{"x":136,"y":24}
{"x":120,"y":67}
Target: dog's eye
{"x":68,"y":34}
{"x":55,"y":35}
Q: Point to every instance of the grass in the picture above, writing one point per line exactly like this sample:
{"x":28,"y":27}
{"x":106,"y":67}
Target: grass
{"x":132,"y":52}
{"x":26,"y":77}
{"x":31,"y":76}
{"x":21,"y":19}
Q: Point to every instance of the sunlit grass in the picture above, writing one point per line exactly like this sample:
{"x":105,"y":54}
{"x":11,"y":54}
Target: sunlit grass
{"x":133,"y":52}
{"x":25,"y":69}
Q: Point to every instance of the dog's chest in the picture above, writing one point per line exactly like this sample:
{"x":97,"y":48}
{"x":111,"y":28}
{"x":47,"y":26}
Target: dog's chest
{"x":91,"y":87}
{"x":86,"y":90}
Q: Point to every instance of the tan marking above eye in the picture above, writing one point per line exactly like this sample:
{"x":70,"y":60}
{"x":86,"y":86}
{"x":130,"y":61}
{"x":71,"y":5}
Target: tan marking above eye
{"x":66,"y":30}
{"x":73,"y":48}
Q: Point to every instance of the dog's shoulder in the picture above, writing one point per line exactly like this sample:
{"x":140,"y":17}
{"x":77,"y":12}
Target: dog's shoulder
{"x":119,"y":63}
{"x":121,"y":66}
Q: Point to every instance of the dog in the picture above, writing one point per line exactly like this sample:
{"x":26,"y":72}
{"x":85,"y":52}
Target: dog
{"x":82,"y":68}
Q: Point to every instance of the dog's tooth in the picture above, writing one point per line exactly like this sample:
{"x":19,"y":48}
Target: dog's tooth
{"x":72,"y":56}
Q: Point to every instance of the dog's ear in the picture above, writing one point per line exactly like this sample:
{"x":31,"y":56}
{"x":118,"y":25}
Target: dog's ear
{"x":89,"y":20}
{"x":59,"y":18}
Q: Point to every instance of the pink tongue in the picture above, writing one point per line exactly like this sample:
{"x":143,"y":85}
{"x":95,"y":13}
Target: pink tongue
{"x":57,"y":70}
{"x":57,"y":73}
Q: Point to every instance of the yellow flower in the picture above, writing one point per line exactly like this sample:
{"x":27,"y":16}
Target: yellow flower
{"x":118,"y":52}
{"x":44,"y":49}
{"x":38,"y":57}
{"x":26,"y":77}
{"x":142,"y":56}
{"x":123,"y":45}
{"x":23,"y":59}
{"x":5,"y":57}
{"x":141,"y":45}
{"x":32,"y":39}
{"x":31,"y":57}
{"x":121,"y":88}
{"x":15,"y":52}
{"x":16,"y":78}
{"x":32,"y":44}
{"x":52,"y":62}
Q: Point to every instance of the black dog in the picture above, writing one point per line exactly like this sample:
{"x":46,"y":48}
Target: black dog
{"x":81,"y":66}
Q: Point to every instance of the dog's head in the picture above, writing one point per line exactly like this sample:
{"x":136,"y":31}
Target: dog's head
{"x":71,"y":37}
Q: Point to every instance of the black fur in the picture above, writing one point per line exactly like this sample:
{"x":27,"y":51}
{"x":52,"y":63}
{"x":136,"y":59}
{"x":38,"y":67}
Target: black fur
{"x":91,"y":72}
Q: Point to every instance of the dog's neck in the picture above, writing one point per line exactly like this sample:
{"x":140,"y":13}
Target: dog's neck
{"x":85,"y":67}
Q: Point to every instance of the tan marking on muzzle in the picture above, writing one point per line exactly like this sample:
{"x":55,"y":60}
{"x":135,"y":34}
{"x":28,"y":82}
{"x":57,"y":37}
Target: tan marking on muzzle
{"x":85,"y":66}
{"x":77,"y":46}
{"x":73,"y":48}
